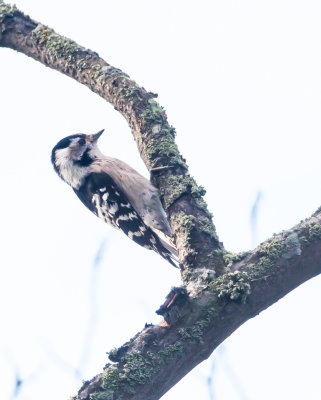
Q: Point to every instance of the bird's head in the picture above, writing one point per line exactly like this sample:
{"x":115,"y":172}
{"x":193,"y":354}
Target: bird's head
{"x":72,"y":156}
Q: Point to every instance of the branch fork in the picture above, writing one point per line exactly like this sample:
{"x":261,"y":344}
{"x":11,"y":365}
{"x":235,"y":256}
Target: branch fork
{"x":220,"y":290}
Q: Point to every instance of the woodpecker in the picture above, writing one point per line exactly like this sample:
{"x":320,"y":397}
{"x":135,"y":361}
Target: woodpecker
{"x":114,"y":192}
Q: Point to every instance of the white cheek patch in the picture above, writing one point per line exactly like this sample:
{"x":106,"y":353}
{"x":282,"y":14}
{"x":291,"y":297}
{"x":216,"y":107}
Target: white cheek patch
{"x":62,"y":158}
{"x":71,"y":173}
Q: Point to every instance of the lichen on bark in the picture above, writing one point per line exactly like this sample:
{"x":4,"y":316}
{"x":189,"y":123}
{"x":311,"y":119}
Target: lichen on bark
{"x":222,"y":290}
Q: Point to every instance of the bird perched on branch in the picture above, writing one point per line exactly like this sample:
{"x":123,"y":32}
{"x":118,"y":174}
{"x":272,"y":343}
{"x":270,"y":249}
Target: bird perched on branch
{"x":114,"y":192}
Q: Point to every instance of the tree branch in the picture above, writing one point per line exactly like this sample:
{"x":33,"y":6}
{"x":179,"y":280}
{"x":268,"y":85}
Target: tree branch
{"x":159,"y":356}
{"x":191,"y":222}
{"x":221,"y":290}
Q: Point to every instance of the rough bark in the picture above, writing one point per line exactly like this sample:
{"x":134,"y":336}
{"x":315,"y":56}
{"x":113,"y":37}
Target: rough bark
{"x":155,"y":138}
{"x":221,"y":290}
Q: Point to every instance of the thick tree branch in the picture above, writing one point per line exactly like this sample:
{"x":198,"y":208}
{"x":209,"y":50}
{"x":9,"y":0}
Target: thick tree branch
{"x":221,"y":290}
{"x":159,"y":356}
{"x":183,"y":199}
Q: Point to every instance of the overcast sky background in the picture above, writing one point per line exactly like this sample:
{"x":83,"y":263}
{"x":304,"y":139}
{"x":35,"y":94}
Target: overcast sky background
{"x":240,"y":81}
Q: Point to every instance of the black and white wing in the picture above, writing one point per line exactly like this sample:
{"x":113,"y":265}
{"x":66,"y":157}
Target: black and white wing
{"x":104,"y":198}
{"x":143,"y":196}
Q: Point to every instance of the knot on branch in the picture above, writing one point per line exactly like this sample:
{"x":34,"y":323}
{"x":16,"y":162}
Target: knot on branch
{"x":175,"y":306}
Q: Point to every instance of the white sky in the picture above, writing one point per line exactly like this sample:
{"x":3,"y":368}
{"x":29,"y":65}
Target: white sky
{"x":240,"y":81}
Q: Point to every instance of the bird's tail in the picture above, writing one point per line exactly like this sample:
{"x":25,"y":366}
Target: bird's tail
{"x":170,"y":249}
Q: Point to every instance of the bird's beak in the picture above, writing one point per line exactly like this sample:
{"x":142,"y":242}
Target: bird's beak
{"x":93,"y":138}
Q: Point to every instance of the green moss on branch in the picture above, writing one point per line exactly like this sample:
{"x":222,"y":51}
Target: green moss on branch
{"x":180,"y":185}
{"x":232,"y":258}
{"x":314,"y":231}
{"x":138,"y":368}
{"x":106,"y":395}
{"x":233,"y":286}
{"x":57,"y":46}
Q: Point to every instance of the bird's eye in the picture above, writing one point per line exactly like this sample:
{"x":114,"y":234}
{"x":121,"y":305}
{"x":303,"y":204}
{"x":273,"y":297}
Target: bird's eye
{"x":81,"y":142}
